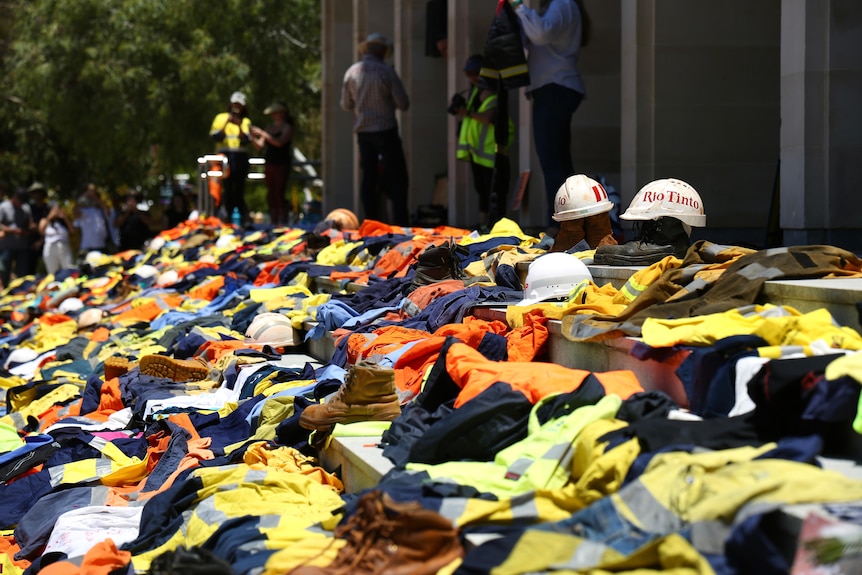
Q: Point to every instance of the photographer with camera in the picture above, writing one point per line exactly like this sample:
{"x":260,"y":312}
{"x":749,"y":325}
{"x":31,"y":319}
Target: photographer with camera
{"x":476,"y":142}
{"x":57,"y":245}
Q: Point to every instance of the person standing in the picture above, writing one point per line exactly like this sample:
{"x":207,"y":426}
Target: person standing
{"x":373,"y":91}
{"x":16,"y":223}
{"x":91,"y":218}
{"x":177,"y":211}
{"x":39,"y":209}
{"x":554,"y":31}
{"x":276,"y":141}
{"x":133,"y":224}
{"x":476,"y":137}
{"x":57,"y":246}
{"x":231,"y":132}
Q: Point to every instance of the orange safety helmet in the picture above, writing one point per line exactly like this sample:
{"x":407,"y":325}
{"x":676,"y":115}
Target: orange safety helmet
{"x":343,"y":219}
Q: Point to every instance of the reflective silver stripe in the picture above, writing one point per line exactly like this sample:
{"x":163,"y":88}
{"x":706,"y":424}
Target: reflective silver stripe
{"x":453,"y":508}
{"x":654,"y":517}
{"x":256,"y":476}
{"x":697,"y":284}
{"x":480,"y":149}
{"x":207,"y":512}
{"x":751,"y":509}
{"x":18,"y":420}
{"x":559,"y":451}
{"x":709,"y":536}
{"x":56,"y":475}
{"x":757,"y":271}
{"x":586,"y":555}
{"x":268,"y":521}
{"x":104,"y":467}
{"x":714,"y":249}
{"x":524,"y":507}
{"x":98,"y":495}
{"x":579,"y":329}
{"x":518,"y":468}
{"x":689,"y":272}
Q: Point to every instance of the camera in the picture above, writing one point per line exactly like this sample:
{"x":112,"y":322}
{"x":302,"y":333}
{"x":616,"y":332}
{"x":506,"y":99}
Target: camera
{"x":456,"y":103}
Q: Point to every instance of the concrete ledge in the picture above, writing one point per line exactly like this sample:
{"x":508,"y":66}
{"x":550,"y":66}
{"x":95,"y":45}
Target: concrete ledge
{"x":326,"y":285}
{"x":358,"y":460}
{"x":617,"y":276}
{"x":838,"y":295}
{"x":321,"y":348}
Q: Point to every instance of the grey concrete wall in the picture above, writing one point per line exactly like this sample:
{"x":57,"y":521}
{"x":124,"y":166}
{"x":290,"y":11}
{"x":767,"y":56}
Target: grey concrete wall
{"x":423,"y":125}
{"x":705,"y":98}
{"x":821,"y":132}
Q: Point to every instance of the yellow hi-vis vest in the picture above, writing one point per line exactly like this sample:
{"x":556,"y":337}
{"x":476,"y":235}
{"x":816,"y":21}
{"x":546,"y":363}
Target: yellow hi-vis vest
{"x":232,"y":132}
{"x":476,"y":139}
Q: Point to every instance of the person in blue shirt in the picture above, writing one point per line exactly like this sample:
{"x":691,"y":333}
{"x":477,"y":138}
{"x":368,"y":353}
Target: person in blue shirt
{"x":554,"y":32}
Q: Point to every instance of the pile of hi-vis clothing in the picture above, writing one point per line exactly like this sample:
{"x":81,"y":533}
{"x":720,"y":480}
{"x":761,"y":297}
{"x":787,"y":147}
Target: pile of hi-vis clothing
{"x":497,"y":453}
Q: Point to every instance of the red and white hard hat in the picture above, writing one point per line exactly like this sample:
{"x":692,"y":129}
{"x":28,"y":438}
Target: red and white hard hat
{"x":579,"y":197}
{"x":667,"y":197}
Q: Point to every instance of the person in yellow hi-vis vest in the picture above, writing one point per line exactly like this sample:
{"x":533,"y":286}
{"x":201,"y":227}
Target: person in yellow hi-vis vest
{"x":231,"y":131}
{"x":476,"y":136}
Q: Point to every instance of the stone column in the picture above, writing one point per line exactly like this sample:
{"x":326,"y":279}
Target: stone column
{"x":821,"y":127}
{"x":339,"y":181}
{"x":425,"y":81}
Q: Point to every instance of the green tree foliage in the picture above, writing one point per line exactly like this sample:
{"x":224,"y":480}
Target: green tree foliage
{"x":123,"y":91}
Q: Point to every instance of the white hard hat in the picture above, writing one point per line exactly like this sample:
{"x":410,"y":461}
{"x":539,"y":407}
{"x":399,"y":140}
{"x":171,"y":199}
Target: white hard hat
{"x":94,"y":258}
{"x":157,"y":243}
{"x":667,"y":197}
{"x":580,"y":196}
{"x":69,"y":305}
{"x":146,"y":271}
{"x":271,"y":327}
{"x":20,"y":355}
{"x":90,"y":317}
{"x":237,"y":98}
{"x":167,"y":278}
{"x":553,"y":275}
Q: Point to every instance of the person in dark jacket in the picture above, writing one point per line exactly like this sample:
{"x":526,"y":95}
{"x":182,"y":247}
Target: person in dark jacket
{"x":276,"y":142}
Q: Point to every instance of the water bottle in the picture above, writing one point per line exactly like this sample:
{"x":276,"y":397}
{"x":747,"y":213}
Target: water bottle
{"x":235,"y":217}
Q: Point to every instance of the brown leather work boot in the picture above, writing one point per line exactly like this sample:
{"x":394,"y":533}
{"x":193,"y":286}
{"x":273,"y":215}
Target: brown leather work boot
{"x":194,"y":369}
{"x":591,"y":229}
{"x":368,"y":394}
{"x":117,"y":365}
{"x":387,"y":537}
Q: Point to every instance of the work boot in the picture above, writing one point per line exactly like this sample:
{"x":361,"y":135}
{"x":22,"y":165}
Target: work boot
{"x":385,"y":536}
{"x":592,"y":229}
{"x":117,"y":365}
{"x":195,"y":369}
{"x":436,"y":264}
{"x":659,"y":238}
{"x":368,"y":394}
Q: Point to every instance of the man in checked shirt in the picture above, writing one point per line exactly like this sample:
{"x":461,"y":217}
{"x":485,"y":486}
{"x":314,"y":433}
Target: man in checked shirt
{"x":373,"y":91}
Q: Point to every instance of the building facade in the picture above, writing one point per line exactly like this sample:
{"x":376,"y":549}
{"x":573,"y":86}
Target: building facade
{"x":755,"y":104}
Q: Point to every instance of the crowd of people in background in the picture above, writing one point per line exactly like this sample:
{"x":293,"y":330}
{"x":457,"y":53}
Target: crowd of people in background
{"x":42,"y":234}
